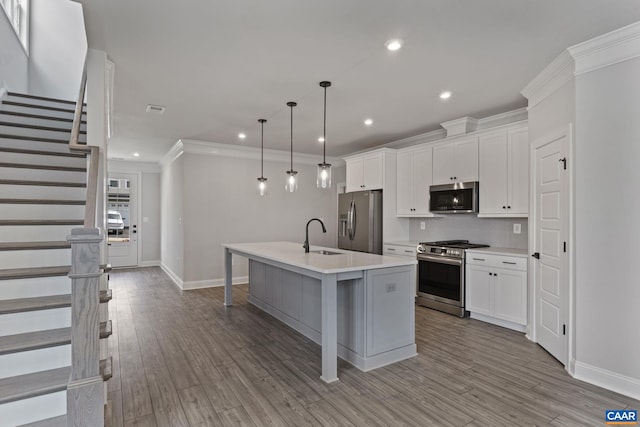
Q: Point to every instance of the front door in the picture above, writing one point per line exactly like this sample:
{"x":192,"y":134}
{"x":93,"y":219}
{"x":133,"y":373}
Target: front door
{"x":122,"y":219}
{"x":550,"y":230}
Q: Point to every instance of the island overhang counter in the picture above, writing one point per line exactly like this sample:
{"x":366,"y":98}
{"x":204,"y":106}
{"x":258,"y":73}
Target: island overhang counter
{"x":356,"y":305}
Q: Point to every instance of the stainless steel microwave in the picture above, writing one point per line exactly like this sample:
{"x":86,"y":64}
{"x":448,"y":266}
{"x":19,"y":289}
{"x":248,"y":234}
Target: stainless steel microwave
{"x":459,"y":197}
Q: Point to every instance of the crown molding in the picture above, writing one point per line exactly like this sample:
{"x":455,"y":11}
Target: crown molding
{"x":460,"y":126}
{"x":553,"y":77}
{"x":434,"y":135}
{"x":133,"y":166}
{"x":506,"y":118}
{"x":242,"y":152}
{"x":608,"y":49}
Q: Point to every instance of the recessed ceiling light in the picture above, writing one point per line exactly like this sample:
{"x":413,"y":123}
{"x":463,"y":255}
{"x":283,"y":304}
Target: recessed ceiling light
{"x":155,"y":109}
{"x":445,"y":95}
{"x":242,"y":135}
{"x":136,"y":154}
{"x":321,"y":139}
{"x":393,"y":44}
{"x":368,"y":122}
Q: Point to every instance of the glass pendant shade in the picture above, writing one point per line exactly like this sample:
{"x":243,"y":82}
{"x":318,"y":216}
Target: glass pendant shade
{"x":324,"y":175}
{"x":262,"y":186}
{"x":292,"y":181}
{"x":324,"y":168}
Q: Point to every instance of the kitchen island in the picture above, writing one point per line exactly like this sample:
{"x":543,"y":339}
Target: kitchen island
{"x":357,"y":306}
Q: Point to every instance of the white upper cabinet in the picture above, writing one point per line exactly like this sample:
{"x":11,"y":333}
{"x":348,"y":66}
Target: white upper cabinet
{"x":504,"y":173}
{"x":414,"y":168}
{"x":365,"y":172}
{"x":456,"y":161}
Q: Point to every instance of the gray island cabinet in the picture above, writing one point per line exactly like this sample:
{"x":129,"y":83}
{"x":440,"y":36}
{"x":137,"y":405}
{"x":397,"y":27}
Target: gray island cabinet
{"x":357,"y":306}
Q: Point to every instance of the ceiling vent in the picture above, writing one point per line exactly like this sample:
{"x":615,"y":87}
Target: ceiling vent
{"x":155,"y":109}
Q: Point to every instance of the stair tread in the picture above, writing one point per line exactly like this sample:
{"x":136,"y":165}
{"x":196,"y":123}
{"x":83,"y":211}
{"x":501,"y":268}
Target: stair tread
{"x":25,"y":273}
{"x":41,"y":202}
{"x":34,"y":138}
{"x":60,"y":421}
{"x":11,"y":222}
{"x":42,"y":152}
{"x":42,"y":98}
{"x":38,"y":116}
{"x":44,"y":167}
{"x":34,"y":340}
{"x":39,"y":127}
{"x":21,"y":246}
{"x":21,"y":305}
{"x":42,"y":107}
{"x":35,"y":384}
{"x":42,"y":183}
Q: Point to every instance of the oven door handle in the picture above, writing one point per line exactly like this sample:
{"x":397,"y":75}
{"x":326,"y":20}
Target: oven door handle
{"x":441,"y":260}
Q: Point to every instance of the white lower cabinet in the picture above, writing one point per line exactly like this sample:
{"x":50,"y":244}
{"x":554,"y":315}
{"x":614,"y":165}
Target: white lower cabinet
{"x":496,"y":289}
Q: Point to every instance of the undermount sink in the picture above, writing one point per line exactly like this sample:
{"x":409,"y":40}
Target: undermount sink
{"x":323,"y":252}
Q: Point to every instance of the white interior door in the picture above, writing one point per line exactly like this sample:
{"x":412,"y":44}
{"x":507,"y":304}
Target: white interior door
{"x":550,"y":223}
{"x":122,"y":222}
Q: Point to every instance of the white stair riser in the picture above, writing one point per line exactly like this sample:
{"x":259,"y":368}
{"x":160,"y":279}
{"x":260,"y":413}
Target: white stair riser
{"x":32,"y":321}
{"x":42,"y":159}
{"x":38,"y":122}
{"x":44,"y":102}
{"x":40,"y":111}
{"x":35,"y":258}
{"x":34,"y":233}
{"x":27,"y":362}
{"x":34,"y":145}
{"x":18,"y":211}
{"x":64,"y":134}
{"x":35,"y":409}
{"x":42,"y":192}
{"x":42,"y":175}
{"x":34,"y":287}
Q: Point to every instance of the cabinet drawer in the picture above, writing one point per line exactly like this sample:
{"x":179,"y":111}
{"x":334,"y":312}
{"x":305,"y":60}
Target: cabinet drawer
{"x":497,"y":261}
{"x":399,"y":250}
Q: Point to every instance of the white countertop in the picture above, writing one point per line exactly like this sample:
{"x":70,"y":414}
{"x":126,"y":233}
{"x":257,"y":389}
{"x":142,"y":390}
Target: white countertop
{"x":407,"y":243}
{"x":502,"y":251}
{"x":293,"y":254}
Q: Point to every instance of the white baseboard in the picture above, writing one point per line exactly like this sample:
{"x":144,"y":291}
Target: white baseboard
{"x":212,"y":283}
{"x":613,"y":381}
{"x":153,"y":263}
{"x":174,"y":277}
{"x":504,"y":323}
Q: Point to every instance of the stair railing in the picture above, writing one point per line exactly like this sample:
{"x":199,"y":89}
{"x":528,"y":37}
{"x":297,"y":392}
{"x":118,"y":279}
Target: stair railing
{"x":85,"y":390}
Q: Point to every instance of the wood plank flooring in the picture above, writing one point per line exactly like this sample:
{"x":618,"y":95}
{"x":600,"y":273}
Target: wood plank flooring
{"x":183,"y":359}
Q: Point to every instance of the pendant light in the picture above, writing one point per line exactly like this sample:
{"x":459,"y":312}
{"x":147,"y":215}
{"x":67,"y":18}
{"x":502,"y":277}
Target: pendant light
{"x":292,"y":179}
{"x":262,"y":181}
{"x":324,"y":168}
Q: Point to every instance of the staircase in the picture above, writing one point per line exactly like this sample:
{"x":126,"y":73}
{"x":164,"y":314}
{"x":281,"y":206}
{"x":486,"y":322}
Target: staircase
{"x":43,"y":190}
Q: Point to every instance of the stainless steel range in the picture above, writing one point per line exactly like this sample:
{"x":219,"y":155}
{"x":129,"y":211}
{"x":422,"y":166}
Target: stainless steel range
{"x":441,"y":275}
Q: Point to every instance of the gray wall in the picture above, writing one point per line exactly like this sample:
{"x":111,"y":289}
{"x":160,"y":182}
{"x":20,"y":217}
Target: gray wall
{"x":14,"y":64}
{"x":171,"y":224}
{"x":150,"y":208}
{"x":221,"y":205}
{"x":497,"y":232}
{"x":607,"y":174}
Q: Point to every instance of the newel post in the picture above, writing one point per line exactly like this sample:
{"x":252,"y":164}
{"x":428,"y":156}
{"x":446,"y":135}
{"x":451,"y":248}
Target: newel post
{"x":85,"y":391}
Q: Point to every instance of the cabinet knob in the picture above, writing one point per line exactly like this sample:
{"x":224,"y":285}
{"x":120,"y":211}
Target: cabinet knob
{"x":455,"y":177}
{"x":504,"y":207}
{"x":490,"y":274}
{"x":508,"y":207}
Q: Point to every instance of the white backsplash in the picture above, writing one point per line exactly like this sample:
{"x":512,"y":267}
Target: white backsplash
{"x":497,"y":232}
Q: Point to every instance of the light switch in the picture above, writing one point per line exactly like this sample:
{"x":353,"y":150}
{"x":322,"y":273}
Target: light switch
{"x":423,"y":225}
{"x":517,"y":229}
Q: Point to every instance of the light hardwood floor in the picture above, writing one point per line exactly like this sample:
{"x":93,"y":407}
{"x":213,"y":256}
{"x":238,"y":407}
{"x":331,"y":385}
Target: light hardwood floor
{"x":183,"y":359}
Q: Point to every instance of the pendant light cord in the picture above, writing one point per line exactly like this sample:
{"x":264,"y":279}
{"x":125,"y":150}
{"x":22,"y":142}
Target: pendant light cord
{"x":262,"y":149}
{"x":324,"y":129}
{"x":291,"y":136}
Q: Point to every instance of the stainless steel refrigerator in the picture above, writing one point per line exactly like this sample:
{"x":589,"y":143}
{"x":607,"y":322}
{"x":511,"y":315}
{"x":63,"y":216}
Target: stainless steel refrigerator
{"x":360,"y":221}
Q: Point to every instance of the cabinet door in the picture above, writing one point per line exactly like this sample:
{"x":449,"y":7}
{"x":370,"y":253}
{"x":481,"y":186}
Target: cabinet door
{"x":422,"y":168}
{"x":443,"y":164}
{"x":373,"y":176}
{"x":518,"y":173}
{"x":354,"y":175}
{"x":510,"y":289}
{"x":479,"y":290}
{"x":466,"y":160}
{"x":404,"y":183}
{"x":493,"y":174}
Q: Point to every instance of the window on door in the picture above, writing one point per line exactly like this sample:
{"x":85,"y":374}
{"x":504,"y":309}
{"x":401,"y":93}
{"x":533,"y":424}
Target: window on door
{"x":18,"y":13}
{"x":118,"y":211}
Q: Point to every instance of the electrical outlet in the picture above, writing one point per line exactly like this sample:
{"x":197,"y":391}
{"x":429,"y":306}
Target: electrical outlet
{"x":423,"y":225}
{"x":517,"y":228}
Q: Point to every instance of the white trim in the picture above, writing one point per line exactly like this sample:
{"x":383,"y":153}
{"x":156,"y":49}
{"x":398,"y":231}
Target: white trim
{"x":503,"y":119}
{"x":460,"y":126}
{"x":495,"y":321}
{"x":214,"y":283}
{"x":172,"y":155}
{"x":4,"y":92}
{"x":610,"y":380}
{"x":152,"y":263}
{"x":553,"y":77}
{"x":173,"y":276}
{"x":127,"y":166}
{"x":435,"y":135}
{"x":243,"y":152}
{"x":608,"y":49}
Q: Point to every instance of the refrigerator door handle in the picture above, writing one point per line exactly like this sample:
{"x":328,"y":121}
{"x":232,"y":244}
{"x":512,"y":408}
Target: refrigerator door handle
{"x":350,"y":220}
{"x":354,"y":220}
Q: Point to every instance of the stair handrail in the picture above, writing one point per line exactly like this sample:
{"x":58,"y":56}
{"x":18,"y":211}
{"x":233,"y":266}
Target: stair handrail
{"x":92,"y":150}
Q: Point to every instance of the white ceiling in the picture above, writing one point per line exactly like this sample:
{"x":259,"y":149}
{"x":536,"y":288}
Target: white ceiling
{"x":218,"y":66}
